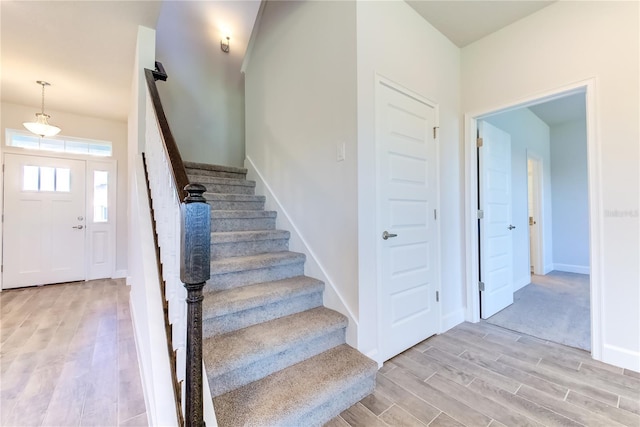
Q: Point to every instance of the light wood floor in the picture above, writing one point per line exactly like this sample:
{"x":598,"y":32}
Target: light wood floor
{"x":483,"y":375}
{"x":68,"y":356}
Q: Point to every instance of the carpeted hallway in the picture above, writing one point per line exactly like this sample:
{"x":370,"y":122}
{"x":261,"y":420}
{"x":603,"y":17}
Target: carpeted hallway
{"x":554,"y":307}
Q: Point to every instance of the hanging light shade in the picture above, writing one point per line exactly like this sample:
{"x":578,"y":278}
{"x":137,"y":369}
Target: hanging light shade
{"x":41,"y":126}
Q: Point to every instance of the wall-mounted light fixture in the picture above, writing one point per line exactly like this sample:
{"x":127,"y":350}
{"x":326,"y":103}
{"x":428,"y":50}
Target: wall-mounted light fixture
{"x":224,"y":44}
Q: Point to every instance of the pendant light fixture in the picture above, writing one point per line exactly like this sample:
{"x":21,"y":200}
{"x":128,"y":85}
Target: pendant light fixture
{"x":41,"y":126}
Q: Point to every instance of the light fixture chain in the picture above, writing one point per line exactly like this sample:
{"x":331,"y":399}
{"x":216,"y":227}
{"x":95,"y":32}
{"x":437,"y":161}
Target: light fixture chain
{"x":43,"y":84}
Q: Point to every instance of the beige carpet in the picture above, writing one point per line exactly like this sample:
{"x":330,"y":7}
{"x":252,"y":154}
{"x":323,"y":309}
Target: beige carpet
{"x":554,"y":307}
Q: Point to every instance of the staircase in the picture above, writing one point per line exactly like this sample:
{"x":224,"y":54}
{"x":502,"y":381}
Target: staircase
{"x":274,"y":356}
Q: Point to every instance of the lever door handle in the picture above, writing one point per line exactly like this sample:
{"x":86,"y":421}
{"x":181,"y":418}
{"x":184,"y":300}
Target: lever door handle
{"x":386,"y":235}
{"x":79,"y":227}
{"x":511,"y":227}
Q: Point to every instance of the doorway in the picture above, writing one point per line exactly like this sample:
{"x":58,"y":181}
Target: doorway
{"x":59,"y":219}
{"x":406,"y":164}
{"x":540,"y":262}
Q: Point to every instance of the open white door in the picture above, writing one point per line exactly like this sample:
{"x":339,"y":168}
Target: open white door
{"x":407,"y":182}
{"x":496,"y":252}
{"x":44,"y":224}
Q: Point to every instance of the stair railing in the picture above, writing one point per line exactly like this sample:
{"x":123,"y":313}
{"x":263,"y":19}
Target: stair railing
{"x":182,"y":220}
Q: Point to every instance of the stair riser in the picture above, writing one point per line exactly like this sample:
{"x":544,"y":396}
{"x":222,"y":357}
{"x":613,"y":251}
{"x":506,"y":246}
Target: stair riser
{"x":218,"y":174}
{"x":220,"y":282}
{"x":338,"y":403}
{"x":296,"y":353}
{"x":252,"y":247}
{"x":242,"y":319}
{"x":227,"y":188}
{"x":223,"y":205}
{"x":242,"y":224}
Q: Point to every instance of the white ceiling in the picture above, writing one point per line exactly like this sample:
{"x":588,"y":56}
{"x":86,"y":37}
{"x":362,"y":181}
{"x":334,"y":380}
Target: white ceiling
{"x":562,"y":110}
{"x":464,"y":22}
{"x":85,"y":49}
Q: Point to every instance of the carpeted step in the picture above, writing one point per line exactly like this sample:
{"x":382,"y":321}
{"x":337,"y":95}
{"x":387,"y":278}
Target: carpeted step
{"x":239,"y":220}
{"x":234,"y":201}
{"x":224,"y":185}
{"x":243,"y":243}
{"x":194,"y":168}
{"x":246,"y":355}
{"x":237,"y":308}
{"x":229,"y":273}
{"x":309,"y":393}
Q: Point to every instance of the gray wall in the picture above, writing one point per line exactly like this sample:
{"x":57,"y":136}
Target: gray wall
{"x":570,"y":196}
{"x":204,"y":95}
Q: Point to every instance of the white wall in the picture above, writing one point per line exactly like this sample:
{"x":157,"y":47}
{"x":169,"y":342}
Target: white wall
{"x":559,"y":45}
{"x":74,"y":125}
{"x":528,"y":134}
{"x":570,"y":196}
{"x":397,"y":43}
{"x":301,"y":102}
{"x":203,"y":97}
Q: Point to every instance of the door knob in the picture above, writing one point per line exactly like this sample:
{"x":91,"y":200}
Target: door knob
{"x":79,"y":227}
{"x":511,"y":227}
{"x":386,"y":235}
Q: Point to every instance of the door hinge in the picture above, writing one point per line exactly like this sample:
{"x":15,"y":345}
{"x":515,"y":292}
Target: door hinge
{"x":435,"y":214}
{"x":437,"y":296}
{"x":481,"y":286}
{"x":435,"y":130}
{"x":479,"y":142}
{"x":480,"y":214}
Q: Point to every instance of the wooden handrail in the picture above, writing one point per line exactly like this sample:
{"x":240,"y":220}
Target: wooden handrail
{"x":179,"y":173}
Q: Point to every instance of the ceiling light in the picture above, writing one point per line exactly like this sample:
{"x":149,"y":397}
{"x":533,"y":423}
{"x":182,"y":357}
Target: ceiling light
{"x":41,"y":126}
{"x":224,"y":44}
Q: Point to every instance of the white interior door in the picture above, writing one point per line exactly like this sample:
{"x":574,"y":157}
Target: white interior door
{"x":496,"y":252}
{"x":407,"y":201}
{"x":44,"y":224}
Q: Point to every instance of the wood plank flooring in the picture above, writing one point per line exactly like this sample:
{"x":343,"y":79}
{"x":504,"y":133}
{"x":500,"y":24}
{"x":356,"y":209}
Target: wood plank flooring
{"x":484,"y":375}
{"x":68,"y":356}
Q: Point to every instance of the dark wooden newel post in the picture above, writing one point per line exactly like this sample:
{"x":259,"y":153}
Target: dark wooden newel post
{"x":194,"y":272}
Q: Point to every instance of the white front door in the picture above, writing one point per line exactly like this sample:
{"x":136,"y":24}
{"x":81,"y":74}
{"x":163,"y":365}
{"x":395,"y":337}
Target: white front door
{"x":407,"y":182}
{"x":496,"y":250}
{"x":44,"y":224}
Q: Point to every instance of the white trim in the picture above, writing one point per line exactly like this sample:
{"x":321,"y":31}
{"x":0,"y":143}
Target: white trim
{"x":378,"y":81}
{"x":621,"y":357}
{"x":252,"y":38}
{"x":452,"y":319}
{"x":119,"y":274}
{"x":587,"y":86}
{"x":569,"y":268}
{"x":332,"y":296}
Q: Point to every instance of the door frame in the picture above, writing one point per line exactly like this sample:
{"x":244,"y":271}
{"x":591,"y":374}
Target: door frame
{"x":588,"y":87}
{"x":538,"y":212}
{"x":381,"y":80}
{"x":112,"y":195}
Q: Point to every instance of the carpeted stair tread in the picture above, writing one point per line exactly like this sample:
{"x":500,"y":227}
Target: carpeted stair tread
{"x":208,"y":179}
{"x":255,"y":262}
{"x":219,"y":168}
{"x":287,"y":397}
{"x":214,"y":197}
{"x":246,"y":297}
{"x":239,"y":348}
{"x":241,"y":214}
{"x":245,"y":236}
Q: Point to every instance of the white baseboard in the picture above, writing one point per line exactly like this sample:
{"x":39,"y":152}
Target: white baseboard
{"x":521,"y":282}
{"x":621,"y":357}
{"x":452,"y":319}
{"x":547,"y":268}
{"x":332,"y":297}
{"x":568,"y":268}
{"x":119,"y":274}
